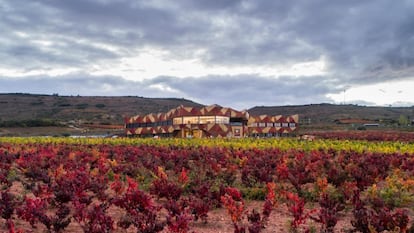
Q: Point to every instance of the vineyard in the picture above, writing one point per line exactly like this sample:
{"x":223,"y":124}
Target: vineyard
{"x":179,"y":185}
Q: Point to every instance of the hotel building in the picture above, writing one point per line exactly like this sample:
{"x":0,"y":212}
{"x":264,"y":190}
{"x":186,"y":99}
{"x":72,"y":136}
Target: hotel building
{"x":209,"y":121}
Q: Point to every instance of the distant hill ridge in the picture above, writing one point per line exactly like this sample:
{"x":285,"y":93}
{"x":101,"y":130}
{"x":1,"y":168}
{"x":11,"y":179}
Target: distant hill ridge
{"x":331,"y":113}
{"x":88,"y":109}
{"x":113,"y":109}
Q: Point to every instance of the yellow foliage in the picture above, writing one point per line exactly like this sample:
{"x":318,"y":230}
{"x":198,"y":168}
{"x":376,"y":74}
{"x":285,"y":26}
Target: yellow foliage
{"x":242,"y":143}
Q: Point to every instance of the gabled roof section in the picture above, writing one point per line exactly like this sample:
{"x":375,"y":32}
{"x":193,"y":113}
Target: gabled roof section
{"x":272,"y":119}
{"x":180,"y":111}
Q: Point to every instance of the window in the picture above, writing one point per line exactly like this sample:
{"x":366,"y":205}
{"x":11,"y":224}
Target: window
{"x":237,"y":133}
{"x":285,"y":124}
{"x":253,"y":124}
{"x":190,"y":120}
{"x":222,"y":120}
{"x":178,"y":121}
{"x":278,"y":124}
{"x":207,"y":119}
{"x":292,"y":125}
{"x":262,"y":124}
{"x":269,"y":124}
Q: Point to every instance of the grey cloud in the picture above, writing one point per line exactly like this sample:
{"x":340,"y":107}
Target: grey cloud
{"x":73,"y":84}
{"x":358,"y":35}
{"x":67,"y":23}
{"x":363,"y":42}
{"x":125,"y":20}
{"x":243,"y":91}
{"x":352,"y":35}
{"x":403,"y":104}
{"x":81,"y":84}
{"x":247,"y":90}
{"x":61,"y":53}
{"x":213,"y":5}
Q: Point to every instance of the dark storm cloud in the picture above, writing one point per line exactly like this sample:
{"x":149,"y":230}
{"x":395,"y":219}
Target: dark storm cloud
{"x":212,"y":4}
{"x":75,"y":27}
{"x":362,"y":42}
{"x":141,"y":23}
{"x":356,"y":36}
{"x":352,"y":35}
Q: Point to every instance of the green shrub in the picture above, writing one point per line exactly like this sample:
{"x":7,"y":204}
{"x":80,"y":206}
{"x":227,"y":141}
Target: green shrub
{"x":29,"y":123}
{"x":254,"y":193}
{"x":82,"y":106}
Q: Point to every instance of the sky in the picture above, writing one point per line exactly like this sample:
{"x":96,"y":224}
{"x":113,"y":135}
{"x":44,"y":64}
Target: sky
{"x":235,"y":53}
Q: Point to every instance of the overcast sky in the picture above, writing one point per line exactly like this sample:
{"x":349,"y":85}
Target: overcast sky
{"x":234,"y":53}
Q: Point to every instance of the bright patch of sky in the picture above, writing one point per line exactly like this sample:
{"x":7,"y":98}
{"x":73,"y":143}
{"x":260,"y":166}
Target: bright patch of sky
{"x":153,"y":63}
{"x":398,"y":93}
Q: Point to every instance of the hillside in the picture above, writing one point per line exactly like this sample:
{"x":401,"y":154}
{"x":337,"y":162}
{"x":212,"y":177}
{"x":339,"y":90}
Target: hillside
{"x":82,"y":114}
{"x":91,"y":109}
{"x":320,"y":115}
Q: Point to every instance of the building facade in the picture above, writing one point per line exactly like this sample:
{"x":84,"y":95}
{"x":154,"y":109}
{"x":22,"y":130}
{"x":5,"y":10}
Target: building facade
{"x":209,"y":121}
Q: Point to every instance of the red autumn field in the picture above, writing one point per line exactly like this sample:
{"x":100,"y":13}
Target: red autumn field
{"x":55,"y":186}
{"x":369,"y":135}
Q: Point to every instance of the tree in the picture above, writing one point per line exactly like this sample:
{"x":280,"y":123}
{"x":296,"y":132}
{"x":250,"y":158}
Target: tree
{"x":403,"y":120}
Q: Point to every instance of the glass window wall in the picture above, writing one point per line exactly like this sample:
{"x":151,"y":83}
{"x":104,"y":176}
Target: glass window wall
{"x":201,"y":120}
{"x":178,"y":121}
{"x":190,"y":120}
{"x":207,"y":119}
{"x":222,"y":120}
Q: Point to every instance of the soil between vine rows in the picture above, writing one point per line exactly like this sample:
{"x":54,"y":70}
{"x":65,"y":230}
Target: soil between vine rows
{"x":218,"y":220}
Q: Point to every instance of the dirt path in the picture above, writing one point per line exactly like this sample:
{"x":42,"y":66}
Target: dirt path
{"x":218,"y":222}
